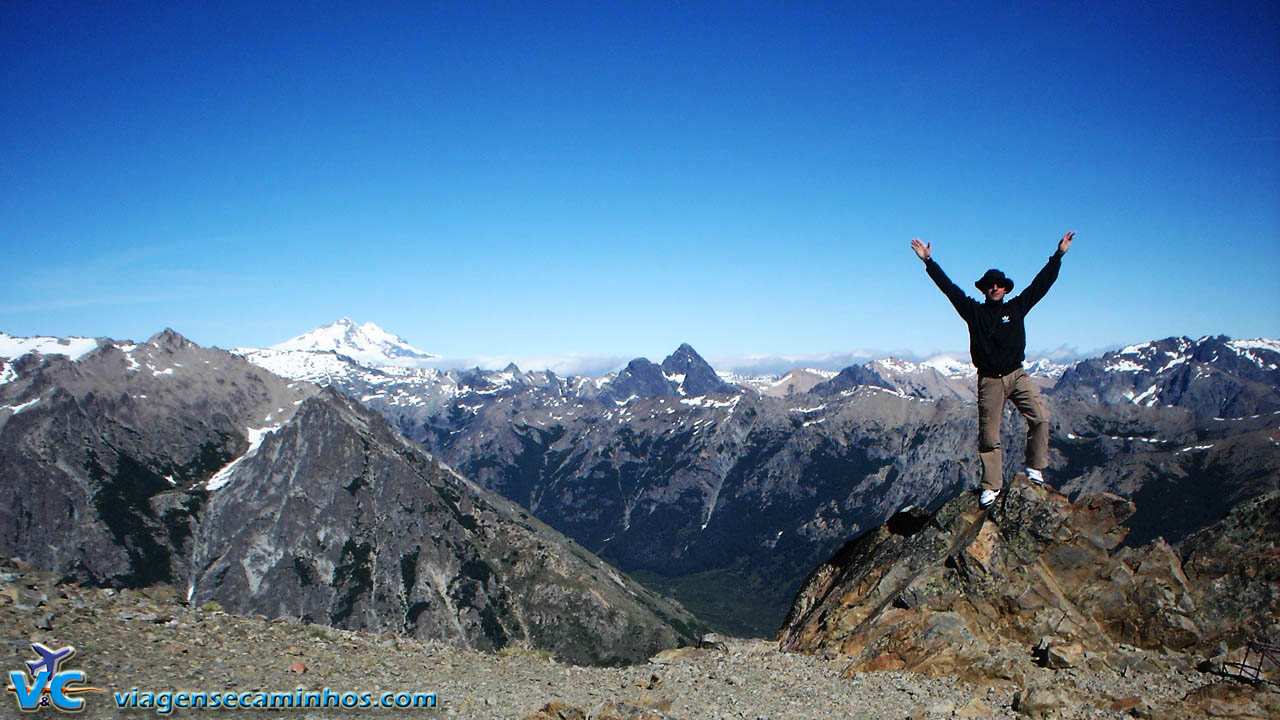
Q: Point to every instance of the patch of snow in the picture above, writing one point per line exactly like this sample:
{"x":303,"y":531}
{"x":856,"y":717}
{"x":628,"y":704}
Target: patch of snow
{"x":19,"y":408}
{"x":893,"y":364}
{"x":1256,"y":344}
{"x":74,"y":348}
{"x":810,"y":410}
{"x":1147,"y":395}
{"x":1124,"y":366}
{"x":952,"y":366}
{"x":223,"y":476}
{"x":7,"y":373}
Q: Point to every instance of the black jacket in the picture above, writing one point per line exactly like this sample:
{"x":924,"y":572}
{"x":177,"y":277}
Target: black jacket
{"x":997,"y":336}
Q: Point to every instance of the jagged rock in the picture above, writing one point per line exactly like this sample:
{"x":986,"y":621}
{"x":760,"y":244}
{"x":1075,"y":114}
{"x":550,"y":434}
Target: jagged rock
{"x":1235,"y":568}
{"x":712,"y":641}
{"x":1058,"y":654}
{"x":941,"y":594}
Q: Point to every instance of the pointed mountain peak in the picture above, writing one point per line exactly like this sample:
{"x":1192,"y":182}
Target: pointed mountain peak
{"x":684,"y":356}
{"x":367,"y":344}
{"x":168,"y":338}
{"x":692,"y":374}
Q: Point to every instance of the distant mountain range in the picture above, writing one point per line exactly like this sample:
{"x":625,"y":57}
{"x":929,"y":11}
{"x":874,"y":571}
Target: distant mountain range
{"x":725,"y":491}
{"x":725,"y":494}
{"x":163,"y":461}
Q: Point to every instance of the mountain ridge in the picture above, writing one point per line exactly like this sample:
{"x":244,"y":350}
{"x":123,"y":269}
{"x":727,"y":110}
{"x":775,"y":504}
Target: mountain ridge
{"x":156,"y":465}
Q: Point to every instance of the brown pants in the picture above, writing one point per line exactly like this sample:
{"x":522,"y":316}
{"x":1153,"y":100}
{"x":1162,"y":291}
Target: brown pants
{"x":1016,"y":387}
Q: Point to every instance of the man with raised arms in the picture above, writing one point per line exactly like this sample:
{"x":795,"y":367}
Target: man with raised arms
{"x":997,"y":346}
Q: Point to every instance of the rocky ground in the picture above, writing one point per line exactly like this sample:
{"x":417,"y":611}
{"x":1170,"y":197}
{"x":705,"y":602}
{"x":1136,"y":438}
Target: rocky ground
{"x":149,"y":640}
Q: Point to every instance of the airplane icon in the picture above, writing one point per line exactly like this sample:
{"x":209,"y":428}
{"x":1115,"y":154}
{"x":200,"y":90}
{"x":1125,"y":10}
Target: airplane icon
{"x":50,"y":660}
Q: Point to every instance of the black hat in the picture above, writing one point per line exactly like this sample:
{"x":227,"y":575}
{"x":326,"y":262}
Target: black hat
{"x":994,"y":277}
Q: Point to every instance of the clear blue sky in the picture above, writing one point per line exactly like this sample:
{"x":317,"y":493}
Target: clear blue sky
{"x":544,"y":178}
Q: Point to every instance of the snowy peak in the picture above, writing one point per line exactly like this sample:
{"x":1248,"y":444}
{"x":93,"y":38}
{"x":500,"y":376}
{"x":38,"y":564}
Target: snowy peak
{"x":14,"y":347}
{"x":1213,"y":375}
{"x":367,"y":344}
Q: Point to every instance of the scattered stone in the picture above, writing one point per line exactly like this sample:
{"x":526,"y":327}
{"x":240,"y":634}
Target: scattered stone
{"x":974,"y":709}
{"x":558,"y":711}
{"x":1039,"y":701}
{"x":712,"y":641}
{"x":1232,"y":700}
{"x":119,"y":647}
{"x":1124,"y":705}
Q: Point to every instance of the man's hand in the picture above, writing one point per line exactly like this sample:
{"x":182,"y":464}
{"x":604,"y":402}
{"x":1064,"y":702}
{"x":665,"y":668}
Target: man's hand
{"x":923,"y":250}
{"x":1065,"y":243}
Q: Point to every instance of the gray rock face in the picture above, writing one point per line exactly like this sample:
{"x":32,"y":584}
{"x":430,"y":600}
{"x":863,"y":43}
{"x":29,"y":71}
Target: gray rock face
{"x":170,"y":462}
{"x":93,"y":459}
{"x":696,"y":376}
{"x":641,"y":378}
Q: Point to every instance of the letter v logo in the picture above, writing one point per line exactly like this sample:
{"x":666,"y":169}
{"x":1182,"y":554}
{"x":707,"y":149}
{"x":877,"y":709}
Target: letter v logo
{"x":28,"y":695}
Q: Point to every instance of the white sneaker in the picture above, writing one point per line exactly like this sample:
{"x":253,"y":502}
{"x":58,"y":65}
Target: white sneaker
{"x":1035,"y":476}
{"x":987,"y":497}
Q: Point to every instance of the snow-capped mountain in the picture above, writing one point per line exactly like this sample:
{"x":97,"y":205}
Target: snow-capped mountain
{"x":800,"y":380}
{"x":367,"y":344}
{"x":1216,"y":376}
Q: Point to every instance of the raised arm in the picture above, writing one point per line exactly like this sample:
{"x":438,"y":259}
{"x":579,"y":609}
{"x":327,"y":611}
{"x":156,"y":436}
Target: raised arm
{"x":961,"y":302}
{"x":1047,"y":275}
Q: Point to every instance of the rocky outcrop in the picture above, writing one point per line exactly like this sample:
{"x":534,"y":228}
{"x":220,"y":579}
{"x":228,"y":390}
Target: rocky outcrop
{"x":967,"y":591}
{"x":1234,"y":569}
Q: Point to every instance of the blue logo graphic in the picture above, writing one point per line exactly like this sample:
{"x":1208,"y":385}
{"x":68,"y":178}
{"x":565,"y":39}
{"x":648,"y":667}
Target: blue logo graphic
{"x":45,"y":683}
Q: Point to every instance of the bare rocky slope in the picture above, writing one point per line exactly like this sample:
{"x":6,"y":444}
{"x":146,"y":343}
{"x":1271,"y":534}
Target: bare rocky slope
{"x":169,"y":462}
{"x":150,"y":641}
